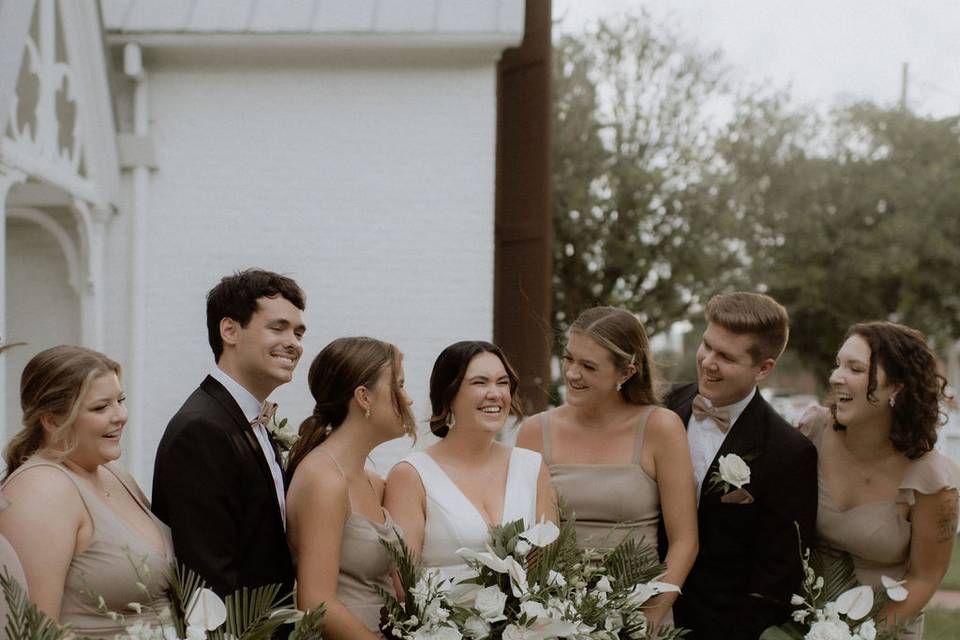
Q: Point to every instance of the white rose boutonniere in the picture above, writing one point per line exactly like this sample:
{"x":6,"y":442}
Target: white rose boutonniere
{"x":284,"y":436}
{"x":733,"y":473}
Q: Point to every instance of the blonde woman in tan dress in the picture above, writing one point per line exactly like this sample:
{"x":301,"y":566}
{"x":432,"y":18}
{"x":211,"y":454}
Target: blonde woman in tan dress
{"x":886,"y":497}
{"x":616,"y":459}
{"x":77,"y":520}
{"x":335,"y":521}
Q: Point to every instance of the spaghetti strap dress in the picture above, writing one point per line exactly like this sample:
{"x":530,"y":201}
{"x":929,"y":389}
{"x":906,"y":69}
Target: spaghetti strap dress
{"x":608,"y":501}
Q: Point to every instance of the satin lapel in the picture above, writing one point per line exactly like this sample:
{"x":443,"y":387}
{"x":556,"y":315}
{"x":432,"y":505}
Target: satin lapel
{"x":745,"y":438}
{"x":221,"y":395}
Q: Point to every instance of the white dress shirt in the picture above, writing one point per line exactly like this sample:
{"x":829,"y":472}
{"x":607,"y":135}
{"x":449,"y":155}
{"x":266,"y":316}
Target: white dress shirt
{"x":705,"y":438}
{"x":251,"y":409}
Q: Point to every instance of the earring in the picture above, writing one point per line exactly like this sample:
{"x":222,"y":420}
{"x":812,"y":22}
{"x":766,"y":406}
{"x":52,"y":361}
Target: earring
{"x":367,"y":413}
{"x":619,"y":386}
{"x":893,"y":401}
{"x":451,"y":421}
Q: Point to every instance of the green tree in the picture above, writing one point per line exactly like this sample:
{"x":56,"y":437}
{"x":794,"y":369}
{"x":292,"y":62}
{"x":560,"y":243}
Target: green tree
{"x":854,"y":217}
{"x":637,"y":222}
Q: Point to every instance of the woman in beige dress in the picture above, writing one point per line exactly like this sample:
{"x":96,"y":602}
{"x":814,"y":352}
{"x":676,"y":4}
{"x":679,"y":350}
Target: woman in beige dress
{"x":77,"y":520}
{"x":335,"y":523}
{"x":886,"y":496}
{"x":616,"y":459}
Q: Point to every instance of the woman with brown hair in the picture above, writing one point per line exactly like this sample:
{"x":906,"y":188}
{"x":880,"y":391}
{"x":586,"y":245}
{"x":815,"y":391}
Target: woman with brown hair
{"x":886,"y":496}
{"x":335,"y":523}
{"x":616,"y":458}
{"x":77,"y":519}
{"x":449,"y":496}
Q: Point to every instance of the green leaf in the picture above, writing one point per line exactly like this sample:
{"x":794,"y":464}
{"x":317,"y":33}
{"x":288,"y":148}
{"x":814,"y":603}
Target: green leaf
{"x":24,"y":621}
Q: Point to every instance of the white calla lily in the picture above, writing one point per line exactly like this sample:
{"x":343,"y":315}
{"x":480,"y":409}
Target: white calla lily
{"x":206,"y":610}
{"x":855,"y":603}
{"x":644,"y":591}
{"x":895,"y":588}
{"x":542,"y":533}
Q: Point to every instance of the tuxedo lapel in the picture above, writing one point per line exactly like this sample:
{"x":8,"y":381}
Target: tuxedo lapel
{"x":244,"y":430}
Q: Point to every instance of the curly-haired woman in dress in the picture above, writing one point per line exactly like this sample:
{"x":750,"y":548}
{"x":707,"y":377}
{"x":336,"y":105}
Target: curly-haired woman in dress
{"x":886,"y":497}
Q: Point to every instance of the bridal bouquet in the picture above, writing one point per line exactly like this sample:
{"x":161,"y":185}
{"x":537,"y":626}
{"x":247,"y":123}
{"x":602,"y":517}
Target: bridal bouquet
{"x":530,"y":584}
{"x":834,"y":606}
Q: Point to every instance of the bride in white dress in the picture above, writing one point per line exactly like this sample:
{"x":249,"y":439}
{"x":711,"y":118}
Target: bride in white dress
{"x":450,"y":495}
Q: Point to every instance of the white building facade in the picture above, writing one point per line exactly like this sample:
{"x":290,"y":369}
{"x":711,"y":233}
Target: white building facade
{"x":349,"y":144}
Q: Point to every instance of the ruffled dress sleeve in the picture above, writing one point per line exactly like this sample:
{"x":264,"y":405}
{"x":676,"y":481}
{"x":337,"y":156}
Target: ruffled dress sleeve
{"x":929,"y":474}
{"x":814,"y":422}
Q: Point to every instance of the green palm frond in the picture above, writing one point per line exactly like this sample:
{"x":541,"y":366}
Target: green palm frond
{"x":24,"y":621}
{"x":837,"y":571}
{"x":560,"y":555}
{"x":310,"y":626}
{"x":632,"y":562}
{"x":406,"y":562}
{"x":182,"y":583}
{"x":248,"y":612}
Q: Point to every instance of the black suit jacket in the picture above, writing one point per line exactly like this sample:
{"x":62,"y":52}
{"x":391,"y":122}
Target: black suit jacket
{"x":749,"y":560}
{"x":213,"y":487}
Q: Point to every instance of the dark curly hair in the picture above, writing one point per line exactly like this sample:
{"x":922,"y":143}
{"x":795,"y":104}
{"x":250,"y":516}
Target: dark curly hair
{"x":907,"y":361}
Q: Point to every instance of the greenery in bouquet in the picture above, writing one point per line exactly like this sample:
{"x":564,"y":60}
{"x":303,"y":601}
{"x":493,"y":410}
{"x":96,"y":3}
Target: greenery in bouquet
{"x":24,"y":621}
{"x":191,"y":611}
{"x":530,"y":584}
{"x":833,"y":605}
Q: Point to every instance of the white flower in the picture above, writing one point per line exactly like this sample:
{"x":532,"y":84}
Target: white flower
{"x":800,"y":615}
{"x":643,"y":592}
{"x":868,"y":630}
{"x":206,"y":610}
{"x":542,"y":533}
{"x":196,"y":632}
{"x":796,"y":600}
{"x":476,"y":627}
{"x":733,"y":470}
{"x":828,"y":630}
{"x":437,"y":633}
{"x":489,"y":604}
{"x":522,"y":548}
{"x":603,"y":584}
{"x":855,"y":603}
{"x":435,"y":612}
{"x":895,"y":588}
{"x":556,"y":579}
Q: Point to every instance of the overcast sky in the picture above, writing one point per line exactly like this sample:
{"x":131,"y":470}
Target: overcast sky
{"x":824,"y":50}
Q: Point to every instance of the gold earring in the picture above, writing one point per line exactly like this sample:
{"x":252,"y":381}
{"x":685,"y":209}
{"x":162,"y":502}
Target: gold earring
{"x":619,"y":386}
{"x":367,"y":413}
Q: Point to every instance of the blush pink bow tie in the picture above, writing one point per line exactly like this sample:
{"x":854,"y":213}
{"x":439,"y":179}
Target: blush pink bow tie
{"x":267,"y":409}
{"x":702,"y":410}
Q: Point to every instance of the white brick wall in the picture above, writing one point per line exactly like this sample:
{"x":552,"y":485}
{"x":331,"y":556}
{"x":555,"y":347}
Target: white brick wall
{"x":371,"y":183}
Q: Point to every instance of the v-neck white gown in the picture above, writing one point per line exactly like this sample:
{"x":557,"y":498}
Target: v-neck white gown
{"x":453,"y":522}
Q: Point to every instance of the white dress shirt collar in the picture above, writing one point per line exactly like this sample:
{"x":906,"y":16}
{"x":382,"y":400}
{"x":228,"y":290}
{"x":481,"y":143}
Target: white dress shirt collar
{"x":246,"y":400}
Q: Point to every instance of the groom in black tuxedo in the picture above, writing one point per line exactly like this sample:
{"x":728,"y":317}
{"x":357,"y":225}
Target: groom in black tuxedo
{"x":749,"y":560}
{"x":217,"y":482}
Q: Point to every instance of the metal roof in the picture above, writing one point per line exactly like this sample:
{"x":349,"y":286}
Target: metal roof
{"x":440,"y":17}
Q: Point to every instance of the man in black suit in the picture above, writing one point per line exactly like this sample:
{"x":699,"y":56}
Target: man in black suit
{"x":749,"y":560}
{"x":217,"y":482}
